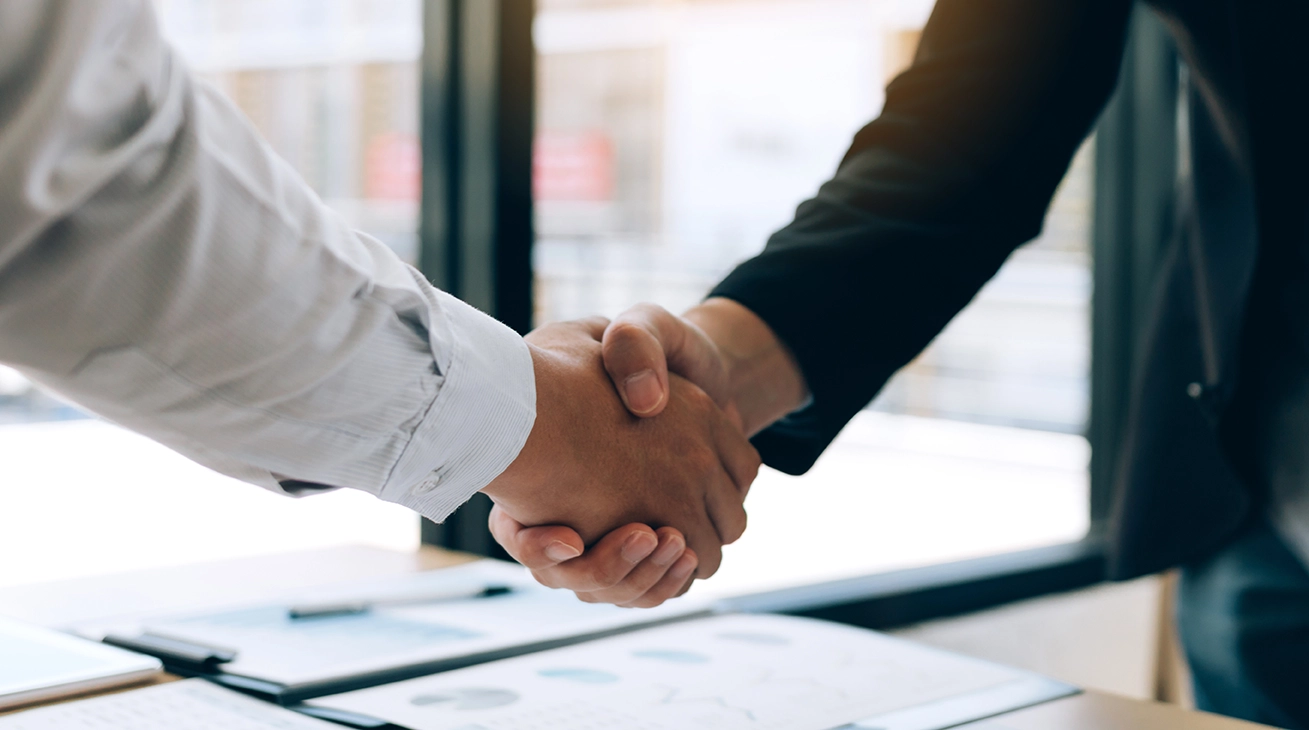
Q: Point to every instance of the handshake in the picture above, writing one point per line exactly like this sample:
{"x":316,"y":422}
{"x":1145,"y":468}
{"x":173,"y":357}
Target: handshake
{"x":636,"y":470}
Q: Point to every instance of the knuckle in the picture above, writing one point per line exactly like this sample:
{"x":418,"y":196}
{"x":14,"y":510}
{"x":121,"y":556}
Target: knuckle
{"x":709,"y":565}
{"x":734,"y":529}
{"x":650,"y":310}
{"x":624,"y":336}
{"x":739,"y":532}
{"x":751,"y":474}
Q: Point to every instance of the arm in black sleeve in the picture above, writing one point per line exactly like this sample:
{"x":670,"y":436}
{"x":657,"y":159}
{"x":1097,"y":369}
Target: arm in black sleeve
{"x":931,"y":198}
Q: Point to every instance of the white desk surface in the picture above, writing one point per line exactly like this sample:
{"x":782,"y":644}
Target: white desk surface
{"x":235,"y":582}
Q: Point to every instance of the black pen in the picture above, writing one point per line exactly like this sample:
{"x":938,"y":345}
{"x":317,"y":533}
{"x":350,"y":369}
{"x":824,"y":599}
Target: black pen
{"x":347,"y":608}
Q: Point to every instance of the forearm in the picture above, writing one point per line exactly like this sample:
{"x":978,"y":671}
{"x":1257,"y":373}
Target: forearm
{"x":160,"y":266}
{"x":764,"y":379}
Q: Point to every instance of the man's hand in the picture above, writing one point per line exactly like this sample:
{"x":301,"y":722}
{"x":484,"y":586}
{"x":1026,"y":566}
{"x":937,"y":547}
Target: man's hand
{"x":720,"y":345}
{"x":632,"y":566}
{"x":644,"y":343}
{"x":590,"y":465}
{"x":734,"y":357}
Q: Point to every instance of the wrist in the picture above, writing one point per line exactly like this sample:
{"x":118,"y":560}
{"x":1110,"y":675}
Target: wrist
{"x":764,"y":379}
{"x":509,"y":488}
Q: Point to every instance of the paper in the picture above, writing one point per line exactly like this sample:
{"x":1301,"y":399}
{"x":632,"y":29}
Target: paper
{"x":38,"y":663}
{"x":299,"y":652}
{"x":727,"y":672}
{"x":193,"y":704}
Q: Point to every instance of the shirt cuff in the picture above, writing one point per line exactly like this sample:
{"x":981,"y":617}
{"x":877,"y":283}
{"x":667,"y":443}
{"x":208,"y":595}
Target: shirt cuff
{"x":477,"y":423}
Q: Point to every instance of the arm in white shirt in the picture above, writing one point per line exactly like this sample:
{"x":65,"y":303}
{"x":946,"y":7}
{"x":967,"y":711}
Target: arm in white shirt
{"x":162,"y":267}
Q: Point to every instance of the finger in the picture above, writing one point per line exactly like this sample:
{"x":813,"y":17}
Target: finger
{"x":605,"y":564}
{"x":704,"y":540}
{"x":646,"y":575}
{"x":642,"y":344}
{"x":737,"y":455}
{"x":685,"y":587}
{"x":672,"y":584}
{"x":537,"y":548}
{"x":726,"y":510}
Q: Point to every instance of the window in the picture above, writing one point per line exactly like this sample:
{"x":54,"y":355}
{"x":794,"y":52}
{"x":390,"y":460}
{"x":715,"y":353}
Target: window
{"x":332,"y":85}
{"x":674,"y":137}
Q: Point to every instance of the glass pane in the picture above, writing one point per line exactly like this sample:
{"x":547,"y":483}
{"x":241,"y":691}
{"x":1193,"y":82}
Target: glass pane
{"x":332,"y":85}
{"x":674,"y":137}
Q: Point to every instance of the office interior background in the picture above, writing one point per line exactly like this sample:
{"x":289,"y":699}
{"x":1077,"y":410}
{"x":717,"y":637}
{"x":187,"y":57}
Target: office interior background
{"x":668,"y":140}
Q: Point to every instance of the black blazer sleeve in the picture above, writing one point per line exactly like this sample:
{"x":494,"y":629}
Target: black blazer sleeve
{"x":931,"y":198}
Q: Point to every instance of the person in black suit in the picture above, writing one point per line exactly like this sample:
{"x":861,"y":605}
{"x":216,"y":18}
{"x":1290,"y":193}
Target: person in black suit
{"x":929,"y":201}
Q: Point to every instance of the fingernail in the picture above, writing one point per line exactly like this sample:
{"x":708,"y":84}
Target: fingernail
{"x":638,"y":547}
{"x":643,"y":391}
{"x":560,"y":551}
{"x":669,"y":551}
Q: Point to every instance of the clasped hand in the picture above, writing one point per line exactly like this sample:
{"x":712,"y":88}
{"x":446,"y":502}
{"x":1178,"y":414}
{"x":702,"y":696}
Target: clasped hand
{"x":675,"y":483}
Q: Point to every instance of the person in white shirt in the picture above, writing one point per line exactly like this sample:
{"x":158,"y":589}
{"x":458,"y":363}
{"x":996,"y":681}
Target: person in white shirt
{"x":160,"y":266}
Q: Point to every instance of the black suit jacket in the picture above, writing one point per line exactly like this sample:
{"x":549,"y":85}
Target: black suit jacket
{"x":958,"y":171}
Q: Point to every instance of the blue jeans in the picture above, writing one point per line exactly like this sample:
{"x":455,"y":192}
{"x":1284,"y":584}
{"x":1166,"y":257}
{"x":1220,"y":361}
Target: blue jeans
{"x":1243,"y":616}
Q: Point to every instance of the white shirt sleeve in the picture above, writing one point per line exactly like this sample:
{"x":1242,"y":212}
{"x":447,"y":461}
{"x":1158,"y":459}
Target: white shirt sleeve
{"x":162,"y":267}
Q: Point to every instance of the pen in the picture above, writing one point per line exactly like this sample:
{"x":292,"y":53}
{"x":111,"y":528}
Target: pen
{"x":348,"y":608}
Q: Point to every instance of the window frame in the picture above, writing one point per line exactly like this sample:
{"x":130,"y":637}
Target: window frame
{"x":477,"y":81}
{"x":476,"y":233}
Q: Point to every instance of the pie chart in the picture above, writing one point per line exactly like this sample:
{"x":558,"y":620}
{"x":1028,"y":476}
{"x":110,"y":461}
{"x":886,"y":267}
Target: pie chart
{"x":580,"y":675}
{"x":469,"y":698}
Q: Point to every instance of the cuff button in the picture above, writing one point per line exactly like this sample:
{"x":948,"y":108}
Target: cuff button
{"x":426,"y":485}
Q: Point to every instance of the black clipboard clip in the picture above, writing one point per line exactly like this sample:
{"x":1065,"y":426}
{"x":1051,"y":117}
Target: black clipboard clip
{"x":183,"y":656}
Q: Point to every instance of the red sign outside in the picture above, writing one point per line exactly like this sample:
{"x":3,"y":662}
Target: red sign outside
{"x":392,"y":167}
{"x":573,"y":166}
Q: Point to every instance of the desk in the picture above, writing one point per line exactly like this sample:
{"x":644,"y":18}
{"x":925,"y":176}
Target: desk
{"x":249,"y":580}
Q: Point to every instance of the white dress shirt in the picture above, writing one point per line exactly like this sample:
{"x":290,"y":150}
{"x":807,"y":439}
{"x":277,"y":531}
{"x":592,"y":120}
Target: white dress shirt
{"x":161,"y":266}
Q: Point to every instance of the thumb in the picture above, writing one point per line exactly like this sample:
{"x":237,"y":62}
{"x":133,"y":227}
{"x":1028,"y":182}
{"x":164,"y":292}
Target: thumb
{"x":633,"y":347}
{"x":537,"y":548}
{"x":643,"y":344}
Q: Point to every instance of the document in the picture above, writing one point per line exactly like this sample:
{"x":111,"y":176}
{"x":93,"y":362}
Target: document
{"x":193,"y":704}
{"x":726,"y":672}
{"x":323,"y":654}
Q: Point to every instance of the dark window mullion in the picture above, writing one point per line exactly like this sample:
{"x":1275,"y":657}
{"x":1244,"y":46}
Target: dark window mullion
{"x":476,"y":218}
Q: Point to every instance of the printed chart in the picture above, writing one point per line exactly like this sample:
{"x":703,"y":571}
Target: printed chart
{"x":765,"y":672}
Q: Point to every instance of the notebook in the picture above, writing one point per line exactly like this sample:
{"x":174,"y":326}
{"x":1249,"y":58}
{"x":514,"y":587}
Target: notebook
{"x":38,"y":664}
